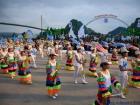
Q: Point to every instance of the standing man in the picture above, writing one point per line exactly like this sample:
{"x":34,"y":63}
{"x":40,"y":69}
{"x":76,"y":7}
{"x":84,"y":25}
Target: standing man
{"x":123,"y":65}
{"x":79,"y":61}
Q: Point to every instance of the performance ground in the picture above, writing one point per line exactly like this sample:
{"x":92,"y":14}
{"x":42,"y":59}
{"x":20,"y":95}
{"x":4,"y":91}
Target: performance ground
{"x":13,"y":93}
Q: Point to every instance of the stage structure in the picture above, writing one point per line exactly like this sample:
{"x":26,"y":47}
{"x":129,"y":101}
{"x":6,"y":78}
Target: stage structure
{"x":106,"y":17}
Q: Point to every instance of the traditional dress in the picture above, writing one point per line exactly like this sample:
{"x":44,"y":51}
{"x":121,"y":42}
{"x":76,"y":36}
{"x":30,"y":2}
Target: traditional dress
{"x":12,"y":64}
{"x":105,"y":89}
{"x":4,"y":64}
{"x":135,"y":78}
{"x":114,"y":57}
{"x":24,"y":72}
{"x":93,"y":63}
{"x":53,"y":82}
{"x":69,"y":62}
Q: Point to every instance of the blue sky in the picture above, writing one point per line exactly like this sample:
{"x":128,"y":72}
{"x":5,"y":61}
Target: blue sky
{"x":57,"y":13}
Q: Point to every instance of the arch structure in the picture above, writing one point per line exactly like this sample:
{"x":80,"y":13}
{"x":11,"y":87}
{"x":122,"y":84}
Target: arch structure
{"x":106,"y":16}
{"x":19,"y":25}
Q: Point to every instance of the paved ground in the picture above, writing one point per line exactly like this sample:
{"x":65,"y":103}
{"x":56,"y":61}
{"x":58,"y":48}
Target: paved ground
{"x":13,"y":93}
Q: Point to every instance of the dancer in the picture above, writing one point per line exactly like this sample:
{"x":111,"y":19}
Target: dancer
{"x":4,"y":64}
{"x":17,"y":48}
{"x":114,"y":57}
{"x":93,"y":61}
{"x":135,"y":79}
{"x":79,"y":61}
{"x":4,"y":51}
{"x":24,"y":72}
{"x":105,"y":80}
{"x":53,"y":82}
{"x":70,"y":56}
{"x":12,"y":63}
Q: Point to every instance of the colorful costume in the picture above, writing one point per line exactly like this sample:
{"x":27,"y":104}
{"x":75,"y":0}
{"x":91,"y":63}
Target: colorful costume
{"x":105,"y":89}
{"x":114,"y":58}
{"x":53,"y":82}
{"x":4,"y":65}
{"x":93,"y":64}
{"x":12,"y":66}
{"x":135,"y":79}
{"x":24,"y":70}
{"x":69,"y":62}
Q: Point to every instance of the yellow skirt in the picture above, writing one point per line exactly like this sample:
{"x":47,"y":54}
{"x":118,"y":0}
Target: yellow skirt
{"x":69,"y":68}
{"x":91,"y":74}
{"x":25,"y":79}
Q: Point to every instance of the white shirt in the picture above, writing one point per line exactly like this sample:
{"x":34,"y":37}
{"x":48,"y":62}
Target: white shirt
{"x":79,"y":56}
{"x":107,"y":79}
{"x":124,"y":63}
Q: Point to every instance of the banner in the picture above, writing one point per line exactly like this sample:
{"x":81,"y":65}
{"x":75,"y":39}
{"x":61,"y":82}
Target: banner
{"x":81,"y":32}
{"x":71,"y":33}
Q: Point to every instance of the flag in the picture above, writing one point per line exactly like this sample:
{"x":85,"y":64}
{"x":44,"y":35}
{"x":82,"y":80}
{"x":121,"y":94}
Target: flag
{"x":29,"y":33}
{"x":81,"y":32}
{"x":50,"y":37}
{"x":100,"y":48}
{"x":71,"y":33}
{"x":70,"y":25}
